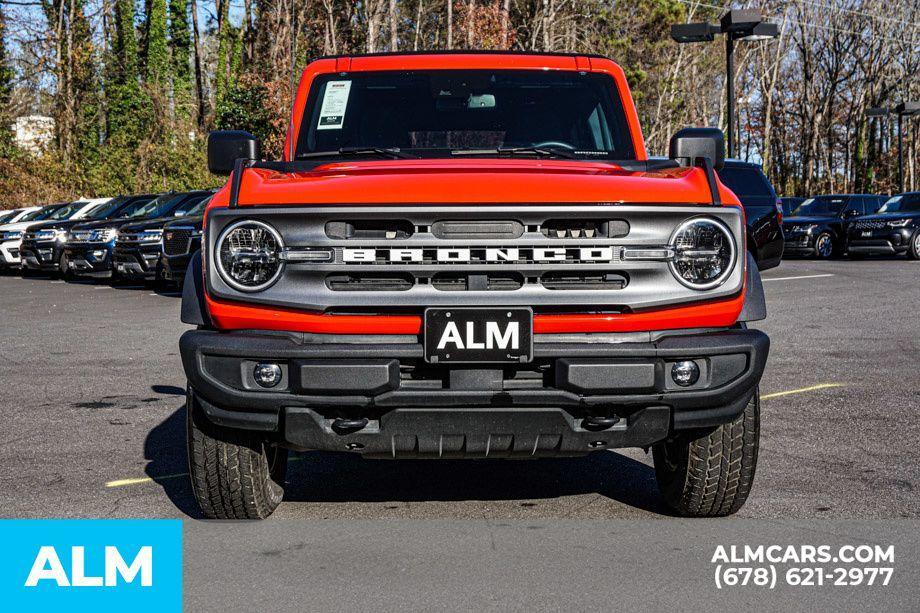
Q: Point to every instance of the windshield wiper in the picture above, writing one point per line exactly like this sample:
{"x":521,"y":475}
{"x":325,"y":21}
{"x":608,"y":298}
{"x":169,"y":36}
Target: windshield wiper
{"x":512,"y":151}
{"x":393,"y":152}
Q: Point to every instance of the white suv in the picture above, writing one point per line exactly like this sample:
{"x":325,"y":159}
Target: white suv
{"x":11,"y":233}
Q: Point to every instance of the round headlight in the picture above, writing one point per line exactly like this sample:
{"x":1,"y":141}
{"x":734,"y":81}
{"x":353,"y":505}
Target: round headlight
{"x":704,"y":253}
{"x":249,"y":255}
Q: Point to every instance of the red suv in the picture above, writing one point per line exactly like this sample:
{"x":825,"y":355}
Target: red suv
{"x":470,"y":255}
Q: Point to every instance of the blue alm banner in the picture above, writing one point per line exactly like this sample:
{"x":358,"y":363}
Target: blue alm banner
{"x":91,"y":565}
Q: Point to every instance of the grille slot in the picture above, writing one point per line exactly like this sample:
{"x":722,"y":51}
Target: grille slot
{"x":869,"y":224}
{"x":392,"y":229}
{"x":176,"y":242}
{"x":584,"y":281}
{"x":585,"y":228}
{"x":463,"y":230}
{"x":459,"y":282}
{"x":369,"y":282}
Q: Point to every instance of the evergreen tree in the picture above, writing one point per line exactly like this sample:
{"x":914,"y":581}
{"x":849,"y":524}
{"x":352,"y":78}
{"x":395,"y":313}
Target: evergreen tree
{"x":127,"y":107}
{"x":6,"y":89}
{"x":157,"y":69}
{"x":180,"y":43}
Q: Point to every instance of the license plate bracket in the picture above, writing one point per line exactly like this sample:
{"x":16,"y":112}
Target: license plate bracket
{"x":471,"y":335}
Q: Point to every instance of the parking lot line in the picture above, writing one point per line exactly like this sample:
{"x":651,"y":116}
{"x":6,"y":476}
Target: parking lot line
{"x":813,"y":388}
{"x":798,"y":277}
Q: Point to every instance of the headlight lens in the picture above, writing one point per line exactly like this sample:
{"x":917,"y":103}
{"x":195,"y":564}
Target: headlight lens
{"x":249,"y":255}
{"x":50,"y":235}
{"x":704,"y":253}
{"x":13,"y":235}
{"x":898,"y":223}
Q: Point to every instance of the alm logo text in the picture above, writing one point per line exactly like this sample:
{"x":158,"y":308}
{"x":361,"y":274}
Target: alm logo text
{"x":47,"y":567}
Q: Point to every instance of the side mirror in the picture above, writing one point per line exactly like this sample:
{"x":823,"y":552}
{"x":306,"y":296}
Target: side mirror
{"x":690,"y":144}
{"x":225,"y":147}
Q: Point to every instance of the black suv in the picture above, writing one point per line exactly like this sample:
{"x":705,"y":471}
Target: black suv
{"x":181,"y":240}
{"x":43,"y":244}
{"x":762,"y":210}
{"x":137,"y":245}
{"x":816,"y":227}
{"x":894,"y":229}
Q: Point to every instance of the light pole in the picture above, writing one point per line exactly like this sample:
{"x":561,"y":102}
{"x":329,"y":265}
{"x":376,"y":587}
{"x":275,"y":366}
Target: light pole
{"x":902,"y":110}
{"x":736,"y":24}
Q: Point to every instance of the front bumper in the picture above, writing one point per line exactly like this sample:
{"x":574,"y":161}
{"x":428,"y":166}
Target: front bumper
{"x":174,"y":267}
{"x":90,"y":259}
{"x":799,"y":244}
{"x":10,"y":254}
{"x":44,"y":255}
{"x":136,"y":261}
{"x":882,"y":241}
{"x":581,"y":392}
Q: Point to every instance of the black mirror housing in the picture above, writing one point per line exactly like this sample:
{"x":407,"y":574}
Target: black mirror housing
{"x":225,"y":147}
{"x":690,"y":144}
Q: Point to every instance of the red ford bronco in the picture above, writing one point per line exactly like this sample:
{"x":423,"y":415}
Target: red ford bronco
{"x":470,"y":255}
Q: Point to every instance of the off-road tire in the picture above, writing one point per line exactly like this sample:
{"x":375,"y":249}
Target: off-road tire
{"x":710,"y":474}
{"x":235,"y":474}
{"x":913,"y":252}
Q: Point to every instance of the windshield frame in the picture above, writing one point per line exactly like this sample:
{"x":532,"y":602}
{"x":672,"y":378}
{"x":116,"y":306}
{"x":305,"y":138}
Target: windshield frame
{"x":617,"y":104}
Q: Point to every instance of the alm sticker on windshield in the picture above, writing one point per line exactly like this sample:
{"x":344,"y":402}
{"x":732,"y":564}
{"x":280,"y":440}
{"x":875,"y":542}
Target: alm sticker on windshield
{"x":332,"y":113}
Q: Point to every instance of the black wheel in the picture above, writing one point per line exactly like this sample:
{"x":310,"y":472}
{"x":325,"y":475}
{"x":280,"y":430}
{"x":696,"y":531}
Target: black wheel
{"x":710,"y":474}
{"x":64,"y":268}
{"x":913,"y":252}
{"x":235,"y":474}
{"x":824,"y":246}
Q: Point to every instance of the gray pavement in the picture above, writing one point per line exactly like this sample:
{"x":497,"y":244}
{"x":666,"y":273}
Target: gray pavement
{"x":93,"y":417}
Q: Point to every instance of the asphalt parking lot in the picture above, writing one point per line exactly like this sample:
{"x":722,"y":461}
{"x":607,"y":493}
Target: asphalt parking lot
{"x":93,"y":416}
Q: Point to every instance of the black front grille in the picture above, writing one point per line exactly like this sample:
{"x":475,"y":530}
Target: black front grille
{"x":370,"y":282}
{"x":461,"y":282}
{"x":176,"y":242}
{"x":868,"y":224}
{"x":583,"y":281}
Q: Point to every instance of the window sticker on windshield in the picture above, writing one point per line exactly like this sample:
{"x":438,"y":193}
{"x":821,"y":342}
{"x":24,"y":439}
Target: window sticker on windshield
{"x":332,"y":112}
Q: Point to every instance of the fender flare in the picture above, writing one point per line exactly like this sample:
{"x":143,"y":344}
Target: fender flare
{"x":755,"y":303}
{"x":194,"y":310}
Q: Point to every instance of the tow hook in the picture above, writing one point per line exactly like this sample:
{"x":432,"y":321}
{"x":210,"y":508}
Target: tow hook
{"x":347,"y":426}
{"x":595,"y":422}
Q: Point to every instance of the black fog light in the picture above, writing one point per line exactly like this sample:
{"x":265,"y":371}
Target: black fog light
{"x":267,"y":374}
{"x":685,"y":373}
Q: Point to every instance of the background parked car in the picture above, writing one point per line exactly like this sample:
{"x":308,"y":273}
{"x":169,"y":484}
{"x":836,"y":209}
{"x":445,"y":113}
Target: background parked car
{"x":816,"y":228}
{"x":16,"y":214}
{"x":48,"y":241}
{"x":761,"y":209}
{"x":895,"y":228}
{"x":11,"y":234}
{"x":137,"y":245}
{"x":181,"y":239}
{"x":32,"y":258}
{"x":790,"y":204}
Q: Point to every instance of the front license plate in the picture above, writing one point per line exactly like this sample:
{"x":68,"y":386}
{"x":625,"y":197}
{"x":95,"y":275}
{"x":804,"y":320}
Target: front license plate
{"x":469,"y":335}
{"x":867,"y":233}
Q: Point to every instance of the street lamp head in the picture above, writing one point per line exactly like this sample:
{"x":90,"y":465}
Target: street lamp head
{"x":740,"y":20}
{"x":693,"y":32}
{"x":908,"y":109}
{"x":762,"y":31}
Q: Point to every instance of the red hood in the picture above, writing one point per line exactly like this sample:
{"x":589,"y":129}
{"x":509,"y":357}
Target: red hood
{"x":471,"y":181}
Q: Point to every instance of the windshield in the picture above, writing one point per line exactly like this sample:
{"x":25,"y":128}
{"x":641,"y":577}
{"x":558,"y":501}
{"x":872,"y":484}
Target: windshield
{"x":190,"y":205}
{"x":822,"y":205}
{"x":66,"y":211}
{"x":104,"y":210}
{"x":199,"y":208}
{"x":902,"y":204}
{"x":6,"y":215}
{"x":435,"y":113}
{"x":41,"y":214}
{"x":157,"y":207}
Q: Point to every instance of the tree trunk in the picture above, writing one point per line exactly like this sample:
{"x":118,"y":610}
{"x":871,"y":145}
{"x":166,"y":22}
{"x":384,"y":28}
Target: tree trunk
{"x":450,"y":24}
{"x":199,"y":77}
{"x":394,"y":26}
